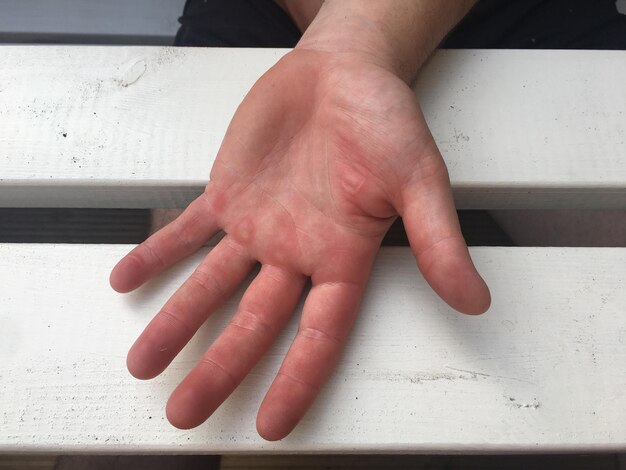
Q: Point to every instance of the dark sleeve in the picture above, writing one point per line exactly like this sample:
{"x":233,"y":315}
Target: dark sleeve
{"x":541,"y":24}
{"x":236,"y":23}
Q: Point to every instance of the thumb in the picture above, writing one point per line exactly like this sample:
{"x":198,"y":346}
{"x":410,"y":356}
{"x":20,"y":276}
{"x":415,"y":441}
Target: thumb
{"x":432,"y":226}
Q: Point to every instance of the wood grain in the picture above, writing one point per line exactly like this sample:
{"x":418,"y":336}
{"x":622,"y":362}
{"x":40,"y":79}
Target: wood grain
{"x":542,"y":371}
{"x":140,"y":126}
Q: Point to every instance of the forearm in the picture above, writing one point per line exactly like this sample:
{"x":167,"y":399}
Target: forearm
{"x":396,"y":34}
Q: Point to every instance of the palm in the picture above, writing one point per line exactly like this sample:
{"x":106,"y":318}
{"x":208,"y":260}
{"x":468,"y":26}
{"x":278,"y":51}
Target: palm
{"x":317,"y":162}
{"x":309,"y":181}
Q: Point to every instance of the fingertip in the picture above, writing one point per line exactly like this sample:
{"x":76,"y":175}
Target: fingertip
{"x":470,"y":296}
{"x":456,"y":280}
{"x":137,"y":371}
{"x":182,"y":411}
{"x":175,"y":418}
{"x":137,"y":365}
{"x":267,"y":429}
{"x":281,"y":409}
{"x":125,"y":276}
{"x":476,"y":299}
{"x":115,"y":281}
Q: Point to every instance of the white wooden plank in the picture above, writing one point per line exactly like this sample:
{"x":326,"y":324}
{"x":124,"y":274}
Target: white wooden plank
{"x":80,"y":20}
{"x":127,"y":126}
{"x":542,"y":371}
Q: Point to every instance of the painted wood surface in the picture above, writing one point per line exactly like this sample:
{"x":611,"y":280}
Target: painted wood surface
{"x":140,"y":126}
{"x":542,"y":371}
{"x":85,"y":21}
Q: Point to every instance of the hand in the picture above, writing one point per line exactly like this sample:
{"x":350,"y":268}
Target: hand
{"x":321,"y":156}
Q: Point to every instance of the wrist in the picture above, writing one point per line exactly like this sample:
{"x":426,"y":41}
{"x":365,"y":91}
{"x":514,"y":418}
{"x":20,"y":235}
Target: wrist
{"x":351,"y":33}
{"x":397,"y":35}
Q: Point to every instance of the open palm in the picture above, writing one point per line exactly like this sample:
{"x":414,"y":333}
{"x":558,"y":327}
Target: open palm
{"x":321,"y":156}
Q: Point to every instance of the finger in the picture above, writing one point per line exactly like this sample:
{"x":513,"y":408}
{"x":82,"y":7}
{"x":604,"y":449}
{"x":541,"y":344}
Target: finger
{"x":328,"y":315}
{"x":263,"y":311}
{"x":218,"y":276}
{"x":436,"y":240}
{"x":178,"y":239}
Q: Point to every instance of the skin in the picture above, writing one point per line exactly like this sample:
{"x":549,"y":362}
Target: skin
{"x":325,"y":151}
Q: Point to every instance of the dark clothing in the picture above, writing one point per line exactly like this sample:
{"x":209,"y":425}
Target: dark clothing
{"x":541,"y":24}
{"x":236,"y":23}
{"x":492,"y":24}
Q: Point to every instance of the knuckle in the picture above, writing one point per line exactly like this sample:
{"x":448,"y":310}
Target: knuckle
{"x":430,"y":168}
{"x":317,"y":334}
{"x":435,"y":253}
{"x":237,"y":248}
{"x":293,"y":378}
{"x":253,"y":321}
{"x":177,"y":319}
{"x":182,"y":234}
{"x":153,"y":253}
{"x":214,"y":364}
{"x":208,"y":282}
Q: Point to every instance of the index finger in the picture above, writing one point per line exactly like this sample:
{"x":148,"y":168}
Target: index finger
{"x":177,"y":240}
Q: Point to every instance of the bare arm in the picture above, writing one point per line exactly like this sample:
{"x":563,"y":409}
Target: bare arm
{"x":399,"y":34}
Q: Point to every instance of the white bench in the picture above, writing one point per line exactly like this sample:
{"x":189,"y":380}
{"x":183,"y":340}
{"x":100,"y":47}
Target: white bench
{"x":542,"y":371}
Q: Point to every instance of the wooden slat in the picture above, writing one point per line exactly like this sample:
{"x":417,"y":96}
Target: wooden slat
{"x":139,"y":127}
{"x":80,"y":21}
{"x":542,"y":371}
